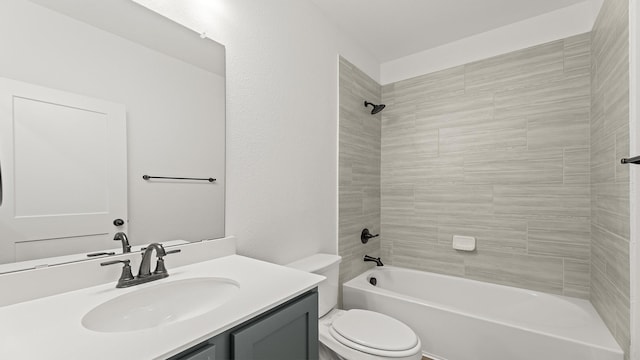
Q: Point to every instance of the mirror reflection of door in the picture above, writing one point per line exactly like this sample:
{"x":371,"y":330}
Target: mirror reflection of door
{"x":63,"y":166}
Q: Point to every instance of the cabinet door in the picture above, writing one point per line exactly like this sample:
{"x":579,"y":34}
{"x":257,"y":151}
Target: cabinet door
{"x":287,"y":333}
{"x":216,"y":348}
{"x":206,"y":353}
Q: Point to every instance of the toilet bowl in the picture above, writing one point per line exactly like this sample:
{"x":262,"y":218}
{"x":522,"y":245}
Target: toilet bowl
{"x":355,"y":334}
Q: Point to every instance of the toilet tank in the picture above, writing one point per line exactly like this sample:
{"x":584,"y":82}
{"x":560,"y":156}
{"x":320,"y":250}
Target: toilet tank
{"x":326,"y":265}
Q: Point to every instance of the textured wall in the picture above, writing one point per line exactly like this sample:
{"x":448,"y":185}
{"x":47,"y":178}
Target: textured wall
{"x":610,"y":179}
{"x":497,"y":149}
{"x":359,"y":173}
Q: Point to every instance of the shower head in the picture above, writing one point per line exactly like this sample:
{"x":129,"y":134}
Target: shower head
{"x":376,"y":108}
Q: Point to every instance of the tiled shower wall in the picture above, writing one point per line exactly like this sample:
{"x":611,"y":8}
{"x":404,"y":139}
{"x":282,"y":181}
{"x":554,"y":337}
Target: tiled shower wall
{"x":497,"y":149}
{"x":520,"y":150}
{"x":359,"y":172}
{"x":610,"y":179}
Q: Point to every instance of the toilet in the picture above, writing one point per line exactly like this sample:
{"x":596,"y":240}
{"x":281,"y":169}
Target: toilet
{"x":355,"y":334}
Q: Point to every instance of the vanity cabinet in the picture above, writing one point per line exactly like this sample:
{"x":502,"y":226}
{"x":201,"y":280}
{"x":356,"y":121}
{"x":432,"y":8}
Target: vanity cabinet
{"x":288,"y":332}
{"x":207,"y":351}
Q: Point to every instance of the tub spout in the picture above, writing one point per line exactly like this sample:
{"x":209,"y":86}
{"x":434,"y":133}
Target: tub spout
{"x":376,"y":260}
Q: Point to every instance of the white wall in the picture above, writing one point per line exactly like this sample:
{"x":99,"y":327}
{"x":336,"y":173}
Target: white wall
{"x":174,"y":113}
{"x":282,"y":123}
{"x":559,"y":24}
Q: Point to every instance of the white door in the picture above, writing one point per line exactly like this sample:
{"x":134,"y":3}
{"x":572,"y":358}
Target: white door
{"x":63,"y":166}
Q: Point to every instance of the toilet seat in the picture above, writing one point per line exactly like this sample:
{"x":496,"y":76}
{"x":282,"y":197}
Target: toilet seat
{"x":374,"y":333}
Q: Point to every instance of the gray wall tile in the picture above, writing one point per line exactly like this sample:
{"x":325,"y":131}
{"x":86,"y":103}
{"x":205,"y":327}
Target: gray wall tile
{"x":432,"y":258}
{"x":511,"y":167}
{"x":568,"y":238}
{"x":455,"y":200}
{"x":486,"y":134}
{"x":517,"y":69}
{"x":622,"y":151}
{"x":570,"y":127}
{"x":495,"y":234}
{"x":452,"y":111}
{"x":544,"y":98}
{"x":610,"y":207}
{"x":576,"y":166}
{"x":360,"y":146}
{"x":514,"y":166}
{"x":613,"y":251}
{"x":443,"y":83}
{"x":530,"y":201}
{"x":576,"y":291}
{"x":407,"y":171}
{"x":609,"y":281}
{"x":577,"y":55}
{"x":574,"y":230}
{"x":521,"y":151}
{"x":533,"y":272}
{"x":577,"y":273}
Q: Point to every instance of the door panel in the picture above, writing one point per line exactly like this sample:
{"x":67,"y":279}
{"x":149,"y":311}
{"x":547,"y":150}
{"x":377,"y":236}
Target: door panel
{"x":63,"y":162}
{"x":59,"y":155}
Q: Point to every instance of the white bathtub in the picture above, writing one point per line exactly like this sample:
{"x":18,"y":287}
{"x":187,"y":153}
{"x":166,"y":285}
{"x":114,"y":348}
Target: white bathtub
{"x":460,"y":319}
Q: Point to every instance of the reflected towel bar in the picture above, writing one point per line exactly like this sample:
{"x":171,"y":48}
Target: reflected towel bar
{"x":147,"y":177}
{"x":633,"y":160}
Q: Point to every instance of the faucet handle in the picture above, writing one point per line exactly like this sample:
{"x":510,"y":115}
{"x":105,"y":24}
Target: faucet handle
{"x":113,"y":262}
{"x":365,"y":235}
{"x":160,"y":268}
{"x":126,"y":269}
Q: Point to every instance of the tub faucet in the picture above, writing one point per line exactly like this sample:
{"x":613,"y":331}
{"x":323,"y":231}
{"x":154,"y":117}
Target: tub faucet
{"x":375,"y":260}
{"x":122,"y":237}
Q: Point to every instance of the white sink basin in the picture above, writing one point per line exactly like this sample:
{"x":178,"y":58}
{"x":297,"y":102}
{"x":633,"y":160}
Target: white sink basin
{"x":160,"y":304}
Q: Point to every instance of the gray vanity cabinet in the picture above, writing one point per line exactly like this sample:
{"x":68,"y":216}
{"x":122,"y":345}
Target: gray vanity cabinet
{"x":205,"y":351}
{"x":288,"y":332}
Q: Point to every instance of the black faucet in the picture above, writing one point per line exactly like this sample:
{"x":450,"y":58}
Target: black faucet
{"x":144,"y":273}
{"x":365,"y":235}
{"x":120,"y":236}
{"x":375,"y":260}
{"x":145,"y":265}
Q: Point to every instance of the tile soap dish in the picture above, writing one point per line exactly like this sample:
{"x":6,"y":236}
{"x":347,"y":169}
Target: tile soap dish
{"x":464,"y":243}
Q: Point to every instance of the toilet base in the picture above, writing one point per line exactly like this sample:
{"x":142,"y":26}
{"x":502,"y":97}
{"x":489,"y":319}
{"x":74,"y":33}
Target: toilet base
{"x":327,"y":354}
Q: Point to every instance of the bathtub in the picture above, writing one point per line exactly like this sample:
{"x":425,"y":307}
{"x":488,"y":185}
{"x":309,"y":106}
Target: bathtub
{"x":461,"y":319}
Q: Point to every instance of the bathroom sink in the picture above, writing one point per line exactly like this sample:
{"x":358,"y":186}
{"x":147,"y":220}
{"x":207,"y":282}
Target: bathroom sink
{"x":160,"y":304}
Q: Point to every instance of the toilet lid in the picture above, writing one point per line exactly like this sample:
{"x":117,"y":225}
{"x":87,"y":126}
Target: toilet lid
{"x":373,"y":331}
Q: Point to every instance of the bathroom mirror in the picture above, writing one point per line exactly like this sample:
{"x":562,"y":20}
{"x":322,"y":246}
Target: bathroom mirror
{"x":69,"y":70}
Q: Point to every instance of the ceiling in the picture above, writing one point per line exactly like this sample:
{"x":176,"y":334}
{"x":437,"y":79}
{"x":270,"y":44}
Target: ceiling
{"x":391,"y":29}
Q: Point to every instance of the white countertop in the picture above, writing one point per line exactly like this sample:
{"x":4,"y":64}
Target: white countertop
{"x":50,"y":327}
